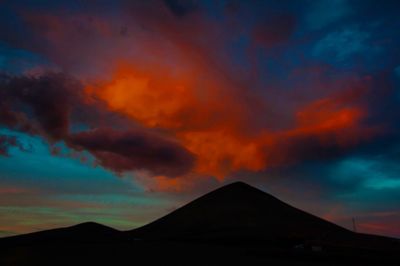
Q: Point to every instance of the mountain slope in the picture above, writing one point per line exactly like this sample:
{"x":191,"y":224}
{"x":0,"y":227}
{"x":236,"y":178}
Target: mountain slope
{"x":239,"y":211}
{"x":88,"y":232}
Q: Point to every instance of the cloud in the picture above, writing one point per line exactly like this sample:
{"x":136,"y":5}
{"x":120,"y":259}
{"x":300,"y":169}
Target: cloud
{"x":325,"y":12}
{"x":7,"y":142}
{"x":344,"y":44}
{"x":221,"y":126}
{"x":196,"y":133}
{"x":53,"y":106}
{"x":134,"y":150}
{"x":39,"y":104}
{"x":163,"y":67}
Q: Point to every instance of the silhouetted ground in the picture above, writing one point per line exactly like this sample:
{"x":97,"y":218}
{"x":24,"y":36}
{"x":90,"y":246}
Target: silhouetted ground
{"x":234,"y":225}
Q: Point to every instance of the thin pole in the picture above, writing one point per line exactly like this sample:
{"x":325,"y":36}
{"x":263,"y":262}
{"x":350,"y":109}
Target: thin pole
{"x":354,"y":224}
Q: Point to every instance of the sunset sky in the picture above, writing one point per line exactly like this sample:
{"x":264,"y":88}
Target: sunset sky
{"x":121,"y":111}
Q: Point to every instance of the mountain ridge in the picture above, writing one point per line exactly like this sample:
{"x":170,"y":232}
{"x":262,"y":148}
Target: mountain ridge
{"x":241,"y":208}
{"x":227,"y":192}
{"x":236,"y":224}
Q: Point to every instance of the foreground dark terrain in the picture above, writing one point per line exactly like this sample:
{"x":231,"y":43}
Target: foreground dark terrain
{"x":233,"y":225}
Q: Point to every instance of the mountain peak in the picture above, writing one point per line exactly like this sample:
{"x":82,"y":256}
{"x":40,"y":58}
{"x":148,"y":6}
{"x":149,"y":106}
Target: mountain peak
{"x":238,"y":184}
{"x":238,"y":187}
{"x":90,"y":225}
{"x":237,"y":210}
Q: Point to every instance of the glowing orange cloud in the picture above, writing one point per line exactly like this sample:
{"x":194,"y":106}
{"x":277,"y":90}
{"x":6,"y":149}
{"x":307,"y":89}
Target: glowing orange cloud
{"x":154,"y":100}
{"x":211,"y":121}
{"x":200,"y":117}
{"x":179,"y":89}
{"x":329,"y":116}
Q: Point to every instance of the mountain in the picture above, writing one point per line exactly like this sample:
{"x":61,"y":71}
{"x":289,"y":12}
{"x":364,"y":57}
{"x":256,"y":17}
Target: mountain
{"x":88,"y":232}
{"x":234,"y":225}
{"x":239,"y":210}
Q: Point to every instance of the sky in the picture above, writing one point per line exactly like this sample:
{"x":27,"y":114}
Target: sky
{"x":119,"y":112}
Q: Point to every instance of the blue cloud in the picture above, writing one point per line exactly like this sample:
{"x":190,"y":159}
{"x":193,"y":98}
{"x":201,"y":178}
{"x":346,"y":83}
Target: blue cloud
{"x":325,"y":12}
{"x":342,"y":45}
{"x":17,"y":61}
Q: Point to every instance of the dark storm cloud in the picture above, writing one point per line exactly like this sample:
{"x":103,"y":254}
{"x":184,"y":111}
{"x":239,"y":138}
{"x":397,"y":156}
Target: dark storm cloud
{"x":52,"y":104}
{"x":132,"y":150}
{"x":42,"y":104}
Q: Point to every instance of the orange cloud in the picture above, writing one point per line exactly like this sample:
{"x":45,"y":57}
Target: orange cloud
{"x":180,"y":89}
{"x":211,"y":119}
{"x":329,"y":116}
{"x":154,"y":100}
{"x":196,"y":112}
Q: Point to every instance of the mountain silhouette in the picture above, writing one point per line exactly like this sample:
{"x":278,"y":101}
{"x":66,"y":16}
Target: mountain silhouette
{"x":239,"y":210}
{"x":89,"y":232}
{"x":236,"y":224}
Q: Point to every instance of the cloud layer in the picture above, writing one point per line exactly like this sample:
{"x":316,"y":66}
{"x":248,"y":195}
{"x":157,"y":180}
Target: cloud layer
{"x":53,"y":106}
